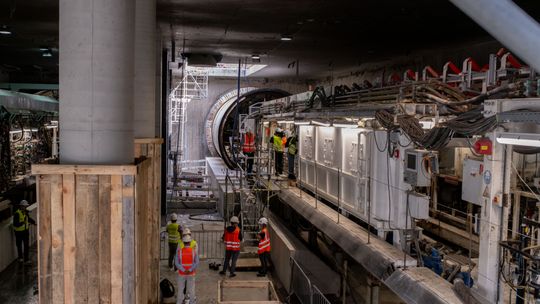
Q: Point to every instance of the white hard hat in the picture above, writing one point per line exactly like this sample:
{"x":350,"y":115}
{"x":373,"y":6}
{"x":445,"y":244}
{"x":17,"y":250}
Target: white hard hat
{"x":186,"y":238}
{"x":263,"y":221}
{"x":186,"y":231}
{"x":174,"y":217}
{"x":278,"y":129}
{"x":234,"y":219}
{"x":24,"y":203}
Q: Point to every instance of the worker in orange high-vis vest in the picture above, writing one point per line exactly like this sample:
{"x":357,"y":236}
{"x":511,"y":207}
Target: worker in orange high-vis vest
{"x":187,"y":261}
{"x":248,"y":148}
{"x":232,"y":238}
{"x":264,"y":246}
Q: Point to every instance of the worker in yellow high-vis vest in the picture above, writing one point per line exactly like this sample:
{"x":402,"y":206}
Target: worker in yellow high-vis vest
{"x":21,"y":226}
{"x":173,"y":237}
{"x":278,"y":143}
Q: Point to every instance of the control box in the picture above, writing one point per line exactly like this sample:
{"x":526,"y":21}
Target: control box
{"x":418,"y":168}
{"x":473,"y":180}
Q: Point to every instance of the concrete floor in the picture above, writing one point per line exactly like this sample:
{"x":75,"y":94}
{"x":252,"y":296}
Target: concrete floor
{"x":206,"y":284}
{"x":18,"y":282}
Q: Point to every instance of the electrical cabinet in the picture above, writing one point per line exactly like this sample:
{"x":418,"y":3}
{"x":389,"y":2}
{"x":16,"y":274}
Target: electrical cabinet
{"x":419,"y":206}
{"x":473,"y":177}
{"x":417,"y":172}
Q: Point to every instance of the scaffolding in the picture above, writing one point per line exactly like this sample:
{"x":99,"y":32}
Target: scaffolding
{"x":193,"y":86}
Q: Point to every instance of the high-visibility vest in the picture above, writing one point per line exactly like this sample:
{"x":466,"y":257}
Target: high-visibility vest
{"x":192,"y":244}
{"x":188,"y":257}
{"x":173,"y":233}
{"x":264,"y":244}
{"x":292,"y":147}
{"x":278,"y":144}
{"x":23,"y":221}
{"x":232,"y":240}
{"x":249,"y":143}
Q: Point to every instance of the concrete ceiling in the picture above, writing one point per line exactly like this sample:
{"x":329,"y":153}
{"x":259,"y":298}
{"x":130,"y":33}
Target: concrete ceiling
{"x":327,"y":34}
{"x":34,"y":25}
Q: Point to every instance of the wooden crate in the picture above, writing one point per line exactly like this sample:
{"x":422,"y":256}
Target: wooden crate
{"x":89,"y":236}
{"x":247,"y":292}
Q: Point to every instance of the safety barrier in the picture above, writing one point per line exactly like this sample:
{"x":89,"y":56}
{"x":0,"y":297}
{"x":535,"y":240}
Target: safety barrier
{"x":209,"y":243}
{"x":302,"y":288}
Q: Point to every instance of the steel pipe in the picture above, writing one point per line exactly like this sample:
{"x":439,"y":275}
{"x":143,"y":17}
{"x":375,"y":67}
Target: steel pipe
{"x":509,"y":24}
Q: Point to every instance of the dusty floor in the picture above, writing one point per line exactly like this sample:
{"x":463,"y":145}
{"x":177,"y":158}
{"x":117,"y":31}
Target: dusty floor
{"x":207,"y":280}
{"x":18,"y":282}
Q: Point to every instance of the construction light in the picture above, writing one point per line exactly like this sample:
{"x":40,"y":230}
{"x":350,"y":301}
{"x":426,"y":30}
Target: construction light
{"x":255,"y":57}
{"x":320,"y":123}
{"x":519,"y":139}
{"x":5,"y":30}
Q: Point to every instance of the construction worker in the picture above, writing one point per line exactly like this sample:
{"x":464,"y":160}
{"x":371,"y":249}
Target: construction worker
{"x":187,"y":261}
{"x":232,"y":238}
{"x":292,"y":149}
{"x":277,"y":144}
{"x":187,"y":231}
{"x":248,"y":148}
{"x":264,"y":246}
{"x":21,"y":222}
{"x":173,"y":236}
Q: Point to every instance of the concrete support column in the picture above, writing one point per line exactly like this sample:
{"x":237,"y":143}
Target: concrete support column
{"x":144,"y":111}
{"x":96,"y":81}
{"x":494,"y":220}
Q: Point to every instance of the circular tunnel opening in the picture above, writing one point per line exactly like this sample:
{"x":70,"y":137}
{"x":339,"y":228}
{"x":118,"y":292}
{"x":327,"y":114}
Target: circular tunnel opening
{"x":222,"y":130}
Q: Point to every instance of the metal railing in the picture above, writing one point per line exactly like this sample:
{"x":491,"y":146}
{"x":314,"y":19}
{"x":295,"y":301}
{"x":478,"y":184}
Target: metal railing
{"x":318,"y":297}
{"x":301,"y":286}
{"x":209,"y":244}
{"x":300,"y":283}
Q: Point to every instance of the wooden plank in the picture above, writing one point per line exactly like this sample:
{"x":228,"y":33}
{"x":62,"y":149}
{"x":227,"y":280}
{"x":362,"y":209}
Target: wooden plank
{"x":68,"y":200}
{"x":92,"y":239}
{"x":148,"y":140}
{"x":140,"y":231}
{"x":157,"y":213}
{"x":44,"y":244}
{"x":81,"y":219}
{"x":153,"y":227}
{"x":147,"y":236}
{"x":116,"y":240}
{"x":84,"y":169}
{"x":105,"y":239}
{"x":128,"y":242}
{"x":57,"y":239}
{"x":138,"y":150}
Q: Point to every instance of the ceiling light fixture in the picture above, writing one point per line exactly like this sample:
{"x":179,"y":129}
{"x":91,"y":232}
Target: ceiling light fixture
{"x":286,"y":37}
{"x":519,"y":139}
{"x":5,"y":30}
{"x":43,"y":48}
{"x":302,"y":123}
{"x":255,"y":56}
{"x":47,"y":53}
{"x":285,"y":121}
{"x":344,"y":125}
{"x":320,"y":123}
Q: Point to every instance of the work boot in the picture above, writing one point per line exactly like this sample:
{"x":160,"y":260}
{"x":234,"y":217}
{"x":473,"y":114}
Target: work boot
{"x":261,"y":274}
{"x":232,"y":275}
{"x":222,"y":272}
